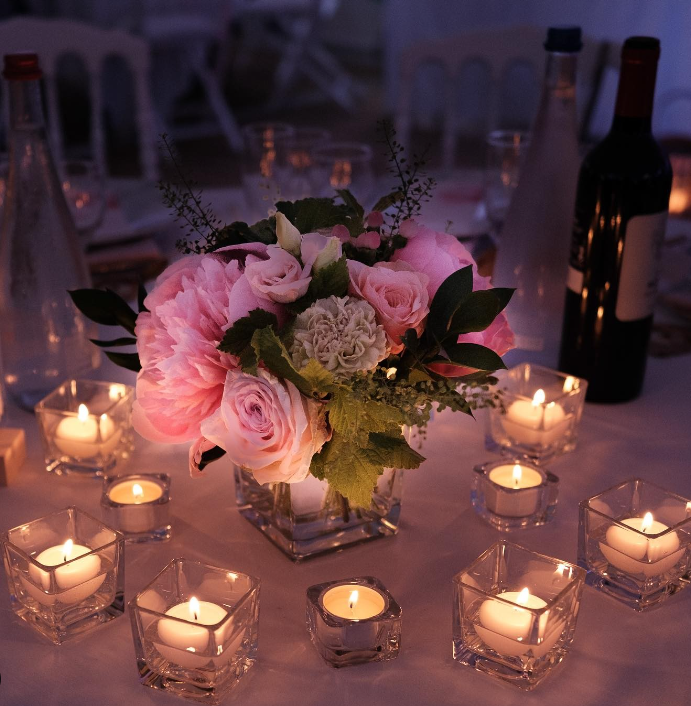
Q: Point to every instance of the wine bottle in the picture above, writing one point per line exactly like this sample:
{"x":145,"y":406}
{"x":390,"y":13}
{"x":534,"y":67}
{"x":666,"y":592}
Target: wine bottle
{"x":45,"y":340}
{"x":621,"y":212}
{"x":534,"y":245}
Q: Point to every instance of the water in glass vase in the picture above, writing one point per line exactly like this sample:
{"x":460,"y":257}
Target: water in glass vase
{"x":309,"y":518}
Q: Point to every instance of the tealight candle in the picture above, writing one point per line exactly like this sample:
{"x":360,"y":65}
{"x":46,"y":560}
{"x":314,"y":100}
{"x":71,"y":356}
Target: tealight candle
{"x":633,"y":552}
{"x":534,"y":422}
{"x":353,"y":602}
{"x":77,"y":578}
{"x":189,"y":634}
{"x":138,"y":505}
{"x":515,"y":477}
{"x":84,"y":436}
{"x":506,"y":624}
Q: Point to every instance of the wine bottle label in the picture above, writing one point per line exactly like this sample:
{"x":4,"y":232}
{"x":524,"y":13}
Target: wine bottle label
{"x":639,"y":267}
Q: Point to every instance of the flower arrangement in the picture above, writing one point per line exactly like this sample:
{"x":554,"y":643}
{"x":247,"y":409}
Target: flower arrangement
{"x":303,"y":343}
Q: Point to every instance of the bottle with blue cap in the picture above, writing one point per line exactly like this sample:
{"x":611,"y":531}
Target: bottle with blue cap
{"x":533,"y":252}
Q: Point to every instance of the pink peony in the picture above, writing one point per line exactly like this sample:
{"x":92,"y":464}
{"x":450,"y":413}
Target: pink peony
{"x":266,"y":426}
{"x":193,"y":303}
{"x":436,"y":254}
{"x":396,"y":292}
{"x":281,"y":278}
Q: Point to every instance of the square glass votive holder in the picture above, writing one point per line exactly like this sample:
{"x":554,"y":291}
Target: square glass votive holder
{"x":353,"y":621}
{"x":514,"y":613}
{"x":195,"y":630}
{"x":138,"y":505}
{"x":86,"y":426}
{"x":66,"y":573}
{"x":514,"y":494}
{"x":540,"y":415}
{"x":634,"y":540}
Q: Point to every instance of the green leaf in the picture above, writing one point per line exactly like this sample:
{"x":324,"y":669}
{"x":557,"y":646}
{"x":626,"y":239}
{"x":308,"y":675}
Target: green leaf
{"x":389,"y":200}
{"x":239,"y":335}
{"x":476,"y":313}
{"x":265,"y":230}
{"x":504,"y":295}
{"x":319,"y":378}
{"x":104,"y":307}
{"x":309,"y":215}
{"x":130,"y":361}
{"x":348,"y":470}
{"x":210,"y":456}
{"x":417,"y":375}
{"x":452,"y":292}
{"x":356,"y":418}
{"x":410,"y":340}
{"x":473,"y":355}
{"x":248,"y":361}
{"x":116,"y":342}
{"x":392,"y":452}
{"x":141,"y":296}
{"x":351,"y":202}
{"x":332,"y":280}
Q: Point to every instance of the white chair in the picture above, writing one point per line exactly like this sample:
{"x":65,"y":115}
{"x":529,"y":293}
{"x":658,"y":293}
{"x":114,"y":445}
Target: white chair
{"x":498,"y":51}
{"x":54,"y":39}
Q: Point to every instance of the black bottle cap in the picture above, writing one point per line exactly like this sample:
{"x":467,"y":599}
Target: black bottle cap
{"x":22,"y":67}
{"x":644,"y":43}
{"x":566,"y":40}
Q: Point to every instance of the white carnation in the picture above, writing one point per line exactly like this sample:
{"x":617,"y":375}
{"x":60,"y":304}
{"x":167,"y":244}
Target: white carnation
{"x":341,"y":333}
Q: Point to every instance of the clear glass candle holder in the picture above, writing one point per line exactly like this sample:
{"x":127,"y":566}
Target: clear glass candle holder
{"x":353,"y":621}
{"x":634,"y":540}
{"x":195,"y":630}
{"x":514,"y":494}
{"x":86,"y":427}
{"x":540,"y":415}
{"x":65,"y":573}
{"x":138,"y":505}
{"x":514,"y":613}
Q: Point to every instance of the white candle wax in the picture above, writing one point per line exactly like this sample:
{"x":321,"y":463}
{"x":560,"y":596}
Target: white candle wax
{"x":524,"y":481}
{"x":353,"y":602}
{"x":85,"y":435}
{"x":633,"y":552}
{"x":137,"y":495}
{"x":505,"y":627}
{"x":534,"y":422}
{"x":76,"y":578}
{"x":188,"y":639}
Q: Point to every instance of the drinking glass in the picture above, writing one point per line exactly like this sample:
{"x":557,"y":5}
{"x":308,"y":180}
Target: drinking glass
{"x":265,"y":148}
{"x":83,"y":183}
{"x":295,"y":174}
{"x":343,"y":165}
{"x":505,"y":151}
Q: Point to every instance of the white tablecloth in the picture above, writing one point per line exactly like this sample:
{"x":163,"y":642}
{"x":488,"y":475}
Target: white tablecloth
{"x":618,"y":656}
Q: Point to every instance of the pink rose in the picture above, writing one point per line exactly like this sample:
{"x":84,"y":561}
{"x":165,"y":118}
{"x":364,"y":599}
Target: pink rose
{"x":195,"y":456}
{"x":281,"y":278}
{"x":396,"y":292}
{"x":436,"y":254}
{"x":341,"y":232}
{"x":266,"y":426}
{"x":192,"y":305}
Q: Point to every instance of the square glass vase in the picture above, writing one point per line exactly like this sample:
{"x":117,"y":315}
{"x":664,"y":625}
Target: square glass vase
{"x":344,"y":640}
{"x":495,"y":499}
{"x":540,"y":414}
{"x":86,"y":427}
{"x":634,"y":540}
{"x":309,"y":518}
{"x":59,"y":590}
{"x":195,"y":630}
{"x":514,"y":613}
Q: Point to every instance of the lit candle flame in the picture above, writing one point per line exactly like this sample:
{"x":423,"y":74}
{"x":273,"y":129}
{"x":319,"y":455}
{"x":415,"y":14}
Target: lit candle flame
{"x":523,"y":596}
{"x":517,"y":475}
{"x":115,"y":392}
{"x":563,"y":569}
{"x":137,"y":491}
{"x":353,"y":600}
{"x":194,"y":609}
{"x":82,"y":413}
{"x":647,"y":521}
{"x":232,"y":576}
{"x":571,"y":383}
{"x":391,"y":373}
{"x":67,"y":549}
{"x":539,"y":398}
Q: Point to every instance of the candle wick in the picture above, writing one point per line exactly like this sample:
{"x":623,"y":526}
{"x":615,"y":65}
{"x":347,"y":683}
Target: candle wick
{"x":196,"y":618}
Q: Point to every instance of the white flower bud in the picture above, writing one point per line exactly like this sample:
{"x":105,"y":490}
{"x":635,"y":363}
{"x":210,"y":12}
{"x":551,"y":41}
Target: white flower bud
{"x":288,"y":235}
{"x":331,"y":252}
